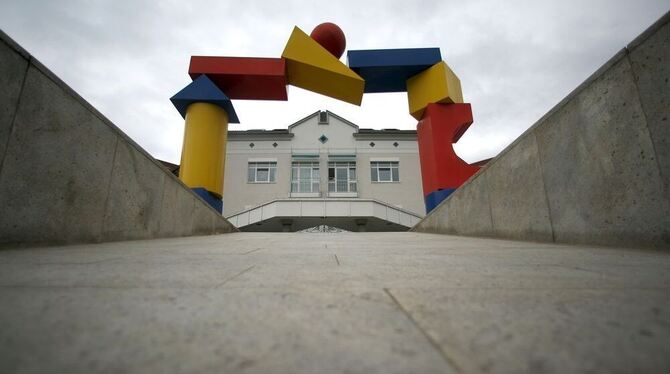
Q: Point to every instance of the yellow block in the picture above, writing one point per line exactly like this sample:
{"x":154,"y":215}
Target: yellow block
{"x":312,"y":67}
{"x":203,"y":156}
{"x":437,"y":84}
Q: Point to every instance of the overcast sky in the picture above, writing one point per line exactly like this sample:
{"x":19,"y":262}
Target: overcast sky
{"x":515,"y":59}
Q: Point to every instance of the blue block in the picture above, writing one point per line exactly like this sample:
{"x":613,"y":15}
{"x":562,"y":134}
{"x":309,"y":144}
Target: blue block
{"x":387,"y":70}
{"x":433,"y":199}
{"x":212,"y":200}
{"x":203,"y":90}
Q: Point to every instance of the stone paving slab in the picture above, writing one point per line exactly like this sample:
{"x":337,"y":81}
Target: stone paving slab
{"x":547,"y":331}
{"x":210,"y":330}
{"x":340,"y":303}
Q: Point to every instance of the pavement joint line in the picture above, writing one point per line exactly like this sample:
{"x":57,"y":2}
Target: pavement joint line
{"x":471,"y":288}
{"x":252,"y":251}
{"x":450,"y":361}
{"x":79,"y":286}
{"x":235,"y":276}
{"x":578,"y":268}
{"x":118,"y":287}
{"x":70,"y":263}
{"x":337,"y":259}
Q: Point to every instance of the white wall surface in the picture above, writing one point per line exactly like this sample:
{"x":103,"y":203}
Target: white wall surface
{"x":240,"y":195}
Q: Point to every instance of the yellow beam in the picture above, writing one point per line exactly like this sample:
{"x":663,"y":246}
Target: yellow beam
{"x":203,"y":156}
{"x":312,"y":67}
{"x":437,"y":84}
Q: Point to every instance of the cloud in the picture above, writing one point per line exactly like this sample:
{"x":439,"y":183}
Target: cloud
{"x":516,"y":59}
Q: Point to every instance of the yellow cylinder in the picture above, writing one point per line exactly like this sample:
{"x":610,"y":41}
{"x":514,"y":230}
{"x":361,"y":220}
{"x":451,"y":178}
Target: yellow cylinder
{"x":203,"y":156}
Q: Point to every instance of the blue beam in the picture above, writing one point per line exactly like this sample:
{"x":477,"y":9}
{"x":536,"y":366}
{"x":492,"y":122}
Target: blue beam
{"x":387,"y":70}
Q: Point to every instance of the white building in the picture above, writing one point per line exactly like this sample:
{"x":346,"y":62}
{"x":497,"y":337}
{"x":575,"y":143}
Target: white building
{"x":323,"y":170}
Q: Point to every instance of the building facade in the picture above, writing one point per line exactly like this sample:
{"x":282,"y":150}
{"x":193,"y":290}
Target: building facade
{"x":323,"y":169}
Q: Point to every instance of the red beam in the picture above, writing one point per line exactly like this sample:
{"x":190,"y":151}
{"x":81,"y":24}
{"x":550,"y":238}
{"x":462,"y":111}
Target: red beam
{"x":244,"y":78}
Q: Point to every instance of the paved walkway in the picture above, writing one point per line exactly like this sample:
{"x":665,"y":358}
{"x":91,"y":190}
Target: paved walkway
{"x":345,"y":302}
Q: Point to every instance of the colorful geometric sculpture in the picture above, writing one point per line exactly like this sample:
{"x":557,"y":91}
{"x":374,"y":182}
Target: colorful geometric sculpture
{"x":312,"y":67}
{"x":245,"y":78}
{"x":442,"y":126}
{"x":438,"y":84}
{"x":312,"y":62}
{"x":330,"y":37}
{"x":387,"y":70}
{"x":203,"y":90}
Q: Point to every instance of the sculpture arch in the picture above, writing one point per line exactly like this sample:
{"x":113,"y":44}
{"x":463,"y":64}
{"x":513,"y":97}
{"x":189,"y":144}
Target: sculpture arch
{"x":312,"y":62}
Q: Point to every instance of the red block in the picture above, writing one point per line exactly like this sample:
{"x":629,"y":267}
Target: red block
{"x":245,"y":78}
{"x":441,"y":126}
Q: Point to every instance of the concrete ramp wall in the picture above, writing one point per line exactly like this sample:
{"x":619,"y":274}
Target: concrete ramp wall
{"x":594,"y":170}
{"x":68,"y":175}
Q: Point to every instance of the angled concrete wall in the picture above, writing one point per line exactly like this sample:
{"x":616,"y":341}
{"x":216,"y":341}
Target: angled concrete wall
{"x":68,"y":175}
{"x":594,"y":170}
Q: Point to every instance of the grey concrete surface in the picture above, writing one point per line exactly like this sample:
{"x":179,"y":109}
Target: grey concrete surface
{"x":469,"y":212}
{"x":517,"y":194}
{"x":334,"y":303}
{"x":68,"y":175}
{"x":602,"y":183}
{"x":56,"y":169}
{"x":603,"y":163}
{"x":650,"y":59}
{"x":134,"y":200}
{"x":177,"y":210}
{"x":13,"y":65}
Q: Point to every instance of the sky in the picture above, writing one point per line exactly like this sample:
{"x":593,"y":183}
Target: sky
{"x":515,"y":59}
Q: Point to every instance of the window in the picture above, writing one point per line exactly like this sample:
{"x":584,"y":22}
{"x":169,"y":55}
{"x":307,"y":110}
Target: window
{"x":341,"y":177}
{"x":384,"y":171}
{"x":305,"y":177}
{"x":262,"y":172}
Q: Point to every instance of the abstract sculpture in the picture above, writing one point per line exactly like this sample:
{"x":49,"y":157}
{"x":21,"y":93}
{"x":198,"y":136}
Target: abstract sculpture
{"x":312,"y":62}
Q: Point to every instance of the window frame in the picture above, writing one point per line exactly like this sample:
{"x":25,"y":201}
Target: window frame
{"x":314,"y":178}
{"x":376,"y":166}
{"x":271,"y":167}
{"x":351,"y":177}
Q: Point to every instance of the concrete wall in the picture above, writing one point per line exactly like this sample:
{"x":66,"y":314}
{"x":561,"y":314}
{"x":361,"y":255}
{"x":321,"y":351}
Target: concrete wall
{"x":68,"y":175}
{"x":595,"y":169}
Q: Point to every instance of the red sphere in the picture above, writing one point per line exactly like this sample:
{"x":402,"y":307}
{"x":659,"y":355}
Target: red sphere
{"x":331,"y":37}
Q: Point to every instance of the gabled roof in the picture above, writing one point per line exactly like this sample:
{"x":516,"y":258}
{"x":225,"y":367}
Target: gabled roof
{"x":330,"y":114}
